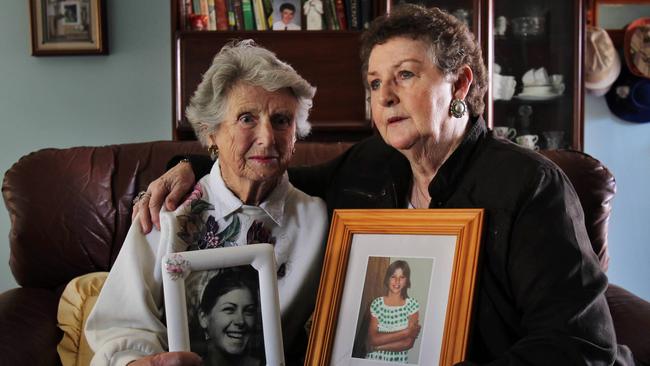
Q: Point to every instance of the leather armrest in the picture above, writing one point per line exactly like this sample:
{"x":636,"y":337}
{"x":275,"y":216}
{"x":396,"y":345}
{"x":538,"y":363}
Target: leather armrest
{"x":631,"y":315}
{"x":28,"y":331}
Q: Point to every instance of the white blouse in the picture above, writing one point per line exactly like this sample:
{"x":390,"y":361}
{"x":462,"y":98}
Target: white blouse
{"x":126,"y":324}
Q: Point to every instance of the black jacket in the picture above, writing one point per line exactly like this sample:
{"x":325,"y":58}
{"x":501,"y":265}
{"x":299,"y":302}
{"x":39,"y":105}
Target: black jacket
{"x":540,"y":296}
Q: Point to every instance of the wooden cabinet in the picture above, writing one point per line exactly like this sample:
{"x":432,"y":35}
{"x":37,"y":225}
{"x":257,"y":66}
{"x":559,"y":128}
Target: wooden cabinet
{"x":330,"y":61}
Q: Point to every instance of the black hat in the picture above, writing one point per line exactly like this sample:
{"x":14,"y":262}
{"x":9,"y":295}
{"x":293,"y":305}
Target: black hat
{"x":629,"y":97}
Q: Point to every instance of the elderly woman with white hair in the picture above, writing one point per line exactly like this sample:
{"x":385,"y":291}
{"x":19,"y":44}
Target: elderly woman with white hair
{"x":248,"y":110}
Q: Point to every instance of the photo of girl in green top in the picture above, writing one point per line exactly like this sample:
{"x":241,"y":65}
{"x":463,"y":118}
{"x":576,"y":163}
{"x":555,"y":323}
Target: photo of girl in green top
{"x":394,"y":317}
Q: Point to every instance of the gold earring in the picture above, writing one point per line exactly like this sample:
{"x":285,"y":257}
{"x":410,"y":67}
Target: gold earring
{"x":214,"y":152}
{"x":457,"y":108}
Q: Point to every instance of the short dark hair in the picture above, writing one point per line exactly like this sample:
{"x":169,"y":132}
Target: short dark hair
{"x":406,"y":270}
{"x":452,"y":44}
{"x":287,"y":6}
{"x":227,"y":280}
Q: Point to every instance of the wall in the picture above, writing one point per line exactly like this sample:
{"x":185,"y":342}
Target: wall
{"x":82,"y":100}
{"x":624,"y":148}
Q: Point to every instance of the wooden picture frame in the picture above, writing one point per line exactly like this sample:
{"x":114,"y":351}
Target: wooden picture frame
{"x":449,"y":238}
{"x":68,"y":27}
{"x":191,"y":277}
{"x":614,"y":15}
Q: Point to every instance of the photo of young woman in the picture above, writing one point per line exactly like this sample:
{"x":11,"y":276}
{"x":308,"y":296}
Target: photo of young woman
{"x":229,"y":316}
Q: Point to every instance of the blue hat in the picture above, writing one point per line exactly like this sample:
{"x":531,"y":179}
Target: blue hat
{"x":629,"y":97}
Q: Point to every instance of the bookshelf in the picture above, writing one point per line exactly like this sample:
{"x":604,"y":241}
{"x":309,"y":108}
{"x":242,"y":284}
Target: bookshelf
{"x":328,"y":59}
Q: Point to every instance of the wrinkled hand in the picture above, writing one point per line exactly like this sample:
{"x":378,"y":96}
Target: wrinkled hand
{"x":169,"y":359}
{"x":171,"y":187}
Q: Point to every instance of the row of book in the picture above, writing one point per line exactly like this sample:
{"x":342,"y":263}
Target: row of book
{"x":248,"y":15}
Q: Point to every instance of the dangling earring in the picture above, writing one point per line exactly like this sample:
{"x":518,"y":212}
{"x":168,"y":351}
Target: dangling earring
{"x":214,"y":152}
{"x":457,"y":108}
{"x":293,"y":151}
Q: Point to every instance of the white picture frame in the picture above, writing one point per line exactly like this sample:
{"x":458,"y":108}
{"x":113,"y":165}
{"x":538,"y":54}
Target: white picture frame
{"x":178,"y":266}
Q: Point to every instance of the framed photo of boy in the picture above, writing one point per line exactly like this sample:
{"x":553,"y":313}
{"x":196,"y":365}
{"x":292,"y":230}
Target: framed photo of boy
{"x":68,"y":27}
{"x":223,"y":304}
{"x":397,"y":287}
{"x":287,"y":15}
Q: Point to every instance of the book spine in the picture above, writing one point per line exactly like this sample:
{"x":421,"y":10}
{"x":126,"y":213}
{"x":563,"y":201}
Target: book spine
{"x":258,"y":11}
{"x":366,"y":13}
{"x":221,"y":11}
{"x":196,"y":6}
{"x":212,"y":17}
{"x":247,"y":11}
{"x":239,"y":14}
{"x":268,"y":13}
{"x":203,"y":8}
{"x":340,"y":14}
{"x":352,"y":12}
{"x":232,"y":21}
{"x":330,"y":11}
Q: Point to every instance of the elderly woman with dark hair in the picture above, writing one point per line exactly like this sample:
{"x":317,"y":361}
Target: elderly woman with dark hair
{"x":249,"y":110}
{"x":540,"y":298}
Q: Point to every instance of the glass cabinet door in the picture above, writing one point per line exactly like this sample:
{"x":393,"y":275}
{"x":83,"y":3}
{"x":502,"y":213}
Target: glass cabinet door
{"x":536,"y":72}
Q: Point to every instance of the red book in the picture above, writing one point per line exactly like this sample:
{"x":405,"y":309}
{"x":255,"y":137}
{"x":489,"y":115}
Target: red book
{"x":222,"y":14}
{"x":340,"y":14}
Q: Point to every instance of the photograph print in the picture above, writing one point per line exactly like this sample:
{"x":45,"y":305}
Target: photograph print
{"x":287,"y":15}
{"x":393,"y":309}
{"x":224,"y":317}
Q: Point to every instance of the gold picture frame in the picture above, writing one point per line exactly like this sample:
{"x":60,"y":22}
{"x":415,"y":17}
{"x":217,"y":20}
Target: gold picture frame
{"x":450,"y":238}
{"x":68,"y":27}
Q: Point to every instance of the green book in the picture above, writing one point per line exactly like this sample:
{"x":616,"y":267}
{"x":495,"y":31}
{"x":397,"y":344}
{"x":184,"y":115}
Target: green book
{"x":247,"y":10}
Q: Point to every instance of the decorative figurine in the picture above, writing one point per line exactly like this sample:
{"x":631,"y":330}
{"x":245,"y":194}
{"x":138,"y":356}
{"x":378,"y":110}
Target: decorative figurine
{"x":313,"y":10}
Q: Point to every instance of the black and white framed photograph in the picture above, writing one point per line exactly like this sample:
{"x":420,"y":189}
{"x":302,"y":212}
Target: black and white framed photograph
{"x":223,"y":305}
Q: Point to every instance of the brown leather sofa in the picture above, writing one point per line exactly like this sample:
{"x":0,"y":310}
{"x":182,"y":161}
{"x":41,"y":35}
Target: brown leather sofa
{"x":70,"y":210}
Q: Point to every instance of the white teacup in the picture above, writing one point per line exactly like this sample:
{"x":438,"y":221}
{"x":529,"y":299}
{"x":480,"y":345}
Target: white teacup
{"x":504,"y":132}
{"x":558,"y":83}
{"x":528,"y":141}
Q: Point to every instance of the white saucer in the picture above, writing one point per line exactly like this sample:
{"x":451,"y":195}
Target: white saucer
{"x":536,"y":97}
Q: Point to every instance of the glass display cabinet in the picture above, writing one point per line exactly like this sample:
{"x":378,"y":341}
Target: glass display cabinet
{"x":537,"y":72}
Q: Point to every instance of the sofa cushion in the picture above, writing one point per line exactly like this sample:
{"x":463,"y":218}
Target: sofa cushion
{"x":28,"y":322}
{"x":77,"y":300}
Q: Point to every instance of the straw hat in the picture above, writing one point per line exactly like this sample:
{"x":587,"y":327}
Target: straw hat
{"x":637,"y":47}
{"x":602,"y":63}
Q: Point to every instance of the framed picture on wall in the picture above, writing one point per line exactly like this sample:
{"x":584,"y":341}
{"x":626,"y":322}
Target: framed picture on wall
{"x":397,"y":287}
{"x":223,"y":303}
{"x":68,"y":27}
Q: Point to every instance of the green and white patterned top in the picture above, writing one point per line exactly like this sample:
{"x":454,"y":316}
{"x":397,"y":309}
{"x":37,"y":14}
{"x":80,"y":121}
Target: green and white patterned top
{"x":391,"y":319}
